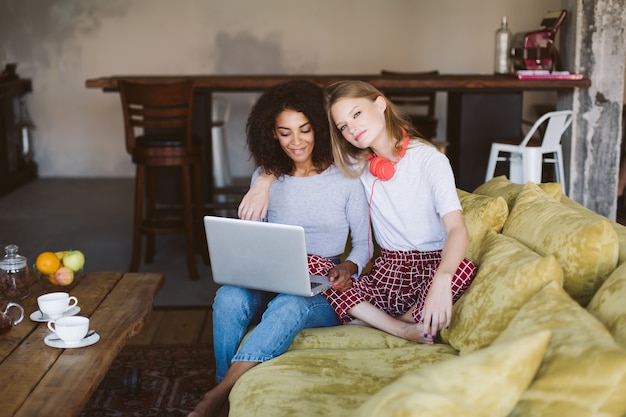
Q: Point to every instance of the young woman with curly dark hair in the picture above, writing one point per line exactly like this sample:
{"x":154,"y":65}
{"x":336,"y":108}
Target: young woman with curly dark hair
{"x":289,"y":138}
{"x":303,"y":97}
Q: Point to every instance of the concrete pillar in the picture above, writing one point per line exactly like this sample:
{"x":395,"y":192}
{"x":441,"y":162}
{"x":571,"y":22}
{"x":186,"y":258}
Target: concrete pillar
{"x":593,"y":43}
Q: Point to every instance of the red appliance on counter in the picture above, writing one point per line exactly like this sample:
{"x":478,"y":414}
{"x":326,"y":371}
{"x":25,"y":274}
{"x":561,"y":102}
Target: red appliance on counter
{"x":535,"y":50}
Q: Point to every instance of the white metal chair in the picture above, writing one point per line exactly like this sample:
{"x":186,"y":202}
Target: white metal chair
{"x":526,"y":159}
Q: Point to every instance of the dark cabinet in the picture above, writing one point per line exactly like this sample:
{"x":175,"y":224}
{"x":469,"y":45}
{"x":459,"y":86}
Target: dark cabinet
{"x":16,"y":166}
{"x":475,"y":120}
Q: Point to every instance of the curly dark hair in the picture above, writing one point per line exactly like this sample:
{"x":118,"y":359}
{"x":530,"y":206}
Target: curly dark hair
{"x":298,"y":95}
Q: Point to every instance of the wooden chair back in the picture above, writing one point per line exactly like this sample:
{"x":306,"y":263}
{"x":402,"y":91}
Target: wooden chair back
{"x":425,"y":101}
{"x":419,"y":106}
{"x":161,"y":110}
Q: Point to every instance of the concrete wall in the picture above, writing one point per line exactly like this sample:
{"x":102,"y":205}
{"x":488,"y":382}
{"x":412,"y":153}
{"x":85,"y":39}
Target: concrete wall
{"x":592,"y":145}
{"x":61,"y":43}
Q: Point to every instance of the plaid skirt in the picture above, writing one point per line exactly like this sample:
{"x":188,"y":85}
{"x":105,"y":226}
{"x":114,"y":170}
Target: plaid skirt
{"x":398,"y":281}
{"x":318,"y":265}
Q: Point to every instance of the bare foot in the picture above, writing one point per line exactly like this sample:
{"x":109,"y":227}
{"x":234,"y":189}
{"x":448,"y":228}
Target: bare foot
{"x":415,"y":333}
{"x":210,"y":406}
{"x":411,"y":331}
{"x":215,"y":402}
{"x":402,"y":326}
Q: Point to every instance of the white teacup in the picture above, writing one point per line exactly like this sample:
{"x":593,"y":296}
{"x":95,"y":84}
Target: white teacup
{"x":70,"y":329}
{"x":54,"y":304}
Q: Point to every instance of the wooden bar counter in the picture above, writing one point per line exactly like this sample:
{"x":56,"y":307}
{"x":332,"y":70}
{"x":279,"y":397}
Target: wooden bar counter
{"x":481,"y":108}
{"x":436,"y":82}
{"x":38,"y":380}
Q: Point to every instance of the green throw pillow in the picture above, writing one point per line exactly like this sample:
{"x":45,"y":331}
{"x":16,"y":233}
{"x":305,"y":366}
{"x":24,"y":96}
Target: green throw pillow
{"x":508,"y":275}
{"x":619,"y":229}
{"x":586,"y":248}
{"x":583,"y":371}
{"x":481,"y":213}
{"x":609,"y":304}
{"x":502,"y":187}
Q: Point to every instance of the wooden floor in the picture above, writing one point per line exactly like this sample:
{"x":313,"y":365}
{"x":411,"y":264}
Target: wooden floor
{"x":177,"y":326}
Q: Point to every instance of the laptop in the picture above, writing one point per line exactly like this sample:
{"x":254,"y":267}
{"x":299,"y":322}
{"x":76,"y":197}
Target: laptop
{"x":262,"y":256}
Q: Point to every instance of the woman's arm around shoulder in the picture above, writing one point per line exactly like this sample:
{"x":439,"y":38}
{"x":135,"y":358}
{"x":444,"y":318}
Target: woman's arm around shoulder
{"x":254,"y":204}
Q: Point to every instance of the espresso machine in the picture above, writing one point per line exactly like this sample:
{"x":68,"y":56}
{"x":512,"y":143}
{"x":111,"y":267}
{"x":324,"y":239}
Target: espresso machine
{"x":536,"y":50}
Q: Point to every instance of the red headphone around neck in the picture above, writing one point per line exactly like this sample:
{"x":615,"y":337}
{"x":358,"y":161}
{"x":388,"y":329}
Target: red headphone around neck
{"x":382,"y":168}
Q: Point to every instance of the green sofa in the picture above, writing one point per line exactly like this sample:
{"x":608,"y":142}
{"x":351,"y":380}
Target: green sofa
{"x":540,"y":332}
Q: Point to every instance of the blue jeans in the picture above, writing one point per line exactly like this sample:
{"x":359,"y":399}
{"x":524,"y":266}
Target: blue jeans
{"x":279,"y":318}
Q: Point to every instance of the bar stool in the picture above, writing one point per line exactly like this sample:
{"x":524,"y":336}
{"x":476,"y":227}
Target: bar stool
{"x":526,"y":159}
{"x":158,"y":129}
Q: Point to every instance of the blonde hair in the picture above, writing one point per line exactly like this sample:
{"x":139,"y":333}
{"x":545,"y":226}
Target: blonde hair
{"x":350,"y":159}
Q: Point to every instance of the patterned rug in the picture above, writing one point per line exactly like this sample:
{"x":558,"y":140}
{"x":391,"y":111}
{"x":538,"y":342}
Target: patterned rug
{"x":173,"y":379}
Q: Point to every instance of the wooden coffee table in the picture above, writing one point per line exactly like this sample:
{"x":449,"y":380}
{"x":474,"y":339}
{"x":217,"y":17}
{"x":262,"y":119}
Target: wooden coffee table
{"x":38,"y":380}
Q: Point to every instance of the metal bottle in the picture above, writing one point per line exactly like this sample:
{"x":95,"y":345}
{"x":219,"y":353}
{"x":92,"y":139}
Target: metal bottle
{"x":502,"y":63}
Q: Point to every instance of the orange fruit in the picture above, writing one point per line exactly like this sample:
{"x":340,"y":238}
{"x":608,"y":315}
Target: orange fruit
{"x":47,"y":263}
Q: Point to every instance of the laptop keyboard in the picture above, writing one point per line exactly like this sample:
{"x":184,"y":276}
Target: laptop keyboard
{"x":315,"y":284}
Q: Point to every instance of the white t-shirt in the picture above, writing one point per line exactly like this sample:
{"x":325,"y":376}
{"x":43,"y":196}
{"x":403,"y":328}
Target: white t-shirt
{"x":406,"y":210}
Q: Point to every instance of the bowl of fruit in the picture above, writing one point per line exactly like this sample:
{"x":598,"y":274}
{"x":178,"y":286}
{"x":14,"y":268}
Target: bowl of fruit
{"x":61,"y":267}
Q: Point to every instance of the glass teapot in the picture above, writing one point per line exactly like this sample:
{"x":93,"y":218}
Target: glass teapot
{"x":6,"y":322}
{"x":15,"y":280}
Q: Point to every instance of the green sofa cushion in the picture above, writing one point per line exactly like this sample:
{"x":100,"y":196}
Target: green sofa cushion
{"x":609,"y":304}
{"x":583,"y":372}
{"x":323,"y":382}
{"x":481,"y":214}
{"x":502,"y":187}
{"x":508,"y":275}
{"x":487,"y":383}
{"x":619,"y":229}
{"x":346,"y":337}
{"x":585,"y":247}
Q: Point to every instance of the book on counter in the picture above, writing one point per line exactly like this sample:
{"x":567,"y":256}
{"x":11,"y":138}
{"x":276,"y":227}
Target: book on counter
{"x":546,"y":75}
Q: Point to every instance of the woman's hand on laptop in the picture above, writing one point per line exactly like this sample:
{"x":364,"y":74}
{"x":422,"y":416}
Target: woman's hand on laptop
{"x":340,"y":275}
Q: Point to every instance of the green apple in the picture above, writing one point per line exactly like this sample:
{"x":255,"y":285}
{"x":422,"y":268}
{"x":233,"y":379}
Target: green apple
{"x":74,"y":260}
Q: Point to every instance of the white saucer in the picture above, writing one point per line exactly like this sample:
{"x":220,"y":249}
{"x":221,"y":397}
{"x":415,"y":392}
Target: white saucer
{"x":88,"y":341}
{"x":39,"y":317}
